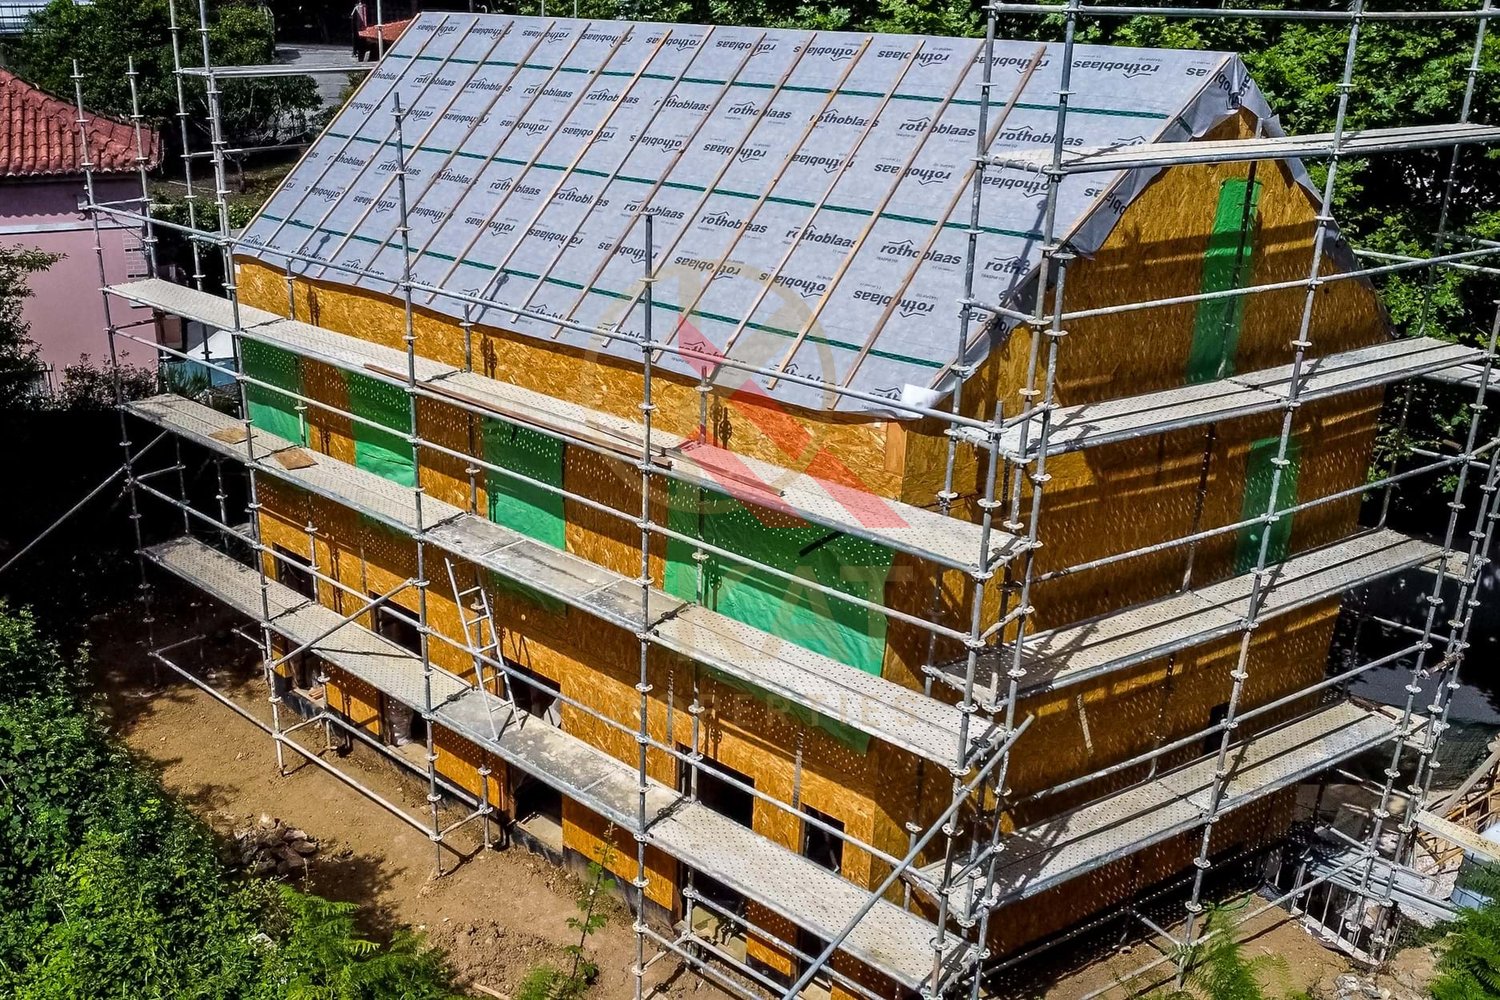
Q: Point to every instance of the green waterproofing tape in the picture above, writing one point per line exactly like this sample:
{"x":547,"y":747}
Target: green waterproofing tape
{"x":533,"y":511}
{"x":386,"y":453}
{"x":271,"y":411}
{"x":1226,"y":265}
{"x":845,"y":632}
{"x":1259,"y":471}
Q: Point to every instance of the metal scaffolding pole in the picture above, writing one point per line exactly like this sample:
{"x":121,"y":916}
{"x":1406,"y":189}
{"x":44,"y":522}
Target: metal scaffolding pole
{"x":409,"y":338}
{"x":190,"y":197}
{"x":231,"y":291}
{"x":643,"y":685}
{"x":116,"y":382}
{"x":1260,"y":583}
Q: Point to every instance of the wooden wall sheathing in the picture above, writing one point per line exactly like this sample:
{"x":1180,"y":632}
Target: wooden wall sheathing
{"x":1144,"y":491}
{"x":1114,"y":884}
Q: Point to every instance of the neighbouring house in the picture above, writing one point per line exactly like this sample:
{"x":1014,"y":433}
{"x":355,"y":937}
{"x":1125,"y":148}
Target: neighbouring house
{"x":41,"y":187}
{"x":371,"y":39}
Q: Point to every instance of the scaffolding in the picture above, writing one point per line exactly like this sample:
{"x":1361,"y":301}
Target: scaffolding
{"x":925,"y":924}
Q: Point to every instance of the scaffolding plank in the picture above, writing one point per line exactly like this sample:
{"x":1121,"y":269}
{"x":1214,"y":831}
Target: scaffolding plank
{"x":841,"y":506}
{"x":898,"y":715}
{"x":1049,"y":853}
{"x":1090,"y":425}
{"x":357,"y":651}
{"x":1355,"y":142}
{"x":361,"y":491}
{"x":1467,"y":376}
{"x":889,"y":938}
{"x":178,"y":300}
{"x":1460,"y":836}
{"x":1142,"y":632}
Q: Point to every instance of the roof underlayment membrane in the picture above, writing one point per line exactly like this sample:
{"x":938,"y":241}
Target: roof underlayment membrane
{"x":810,"y":189}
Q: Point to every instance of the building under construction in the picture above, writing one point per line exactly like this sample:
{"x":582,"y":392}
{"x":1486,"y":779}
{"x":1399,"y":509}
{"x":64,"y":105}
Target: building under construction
{"x":888,"y":498}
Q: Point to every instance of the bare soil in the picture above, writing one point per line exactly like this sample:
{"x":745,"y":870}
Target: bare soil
{"x":497,"y":914}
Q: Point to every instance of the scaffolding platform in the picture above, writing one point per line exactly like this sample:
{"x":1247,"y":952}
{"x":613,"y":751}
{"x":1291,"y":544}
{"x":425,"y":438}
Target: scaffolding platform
{"x":868,"y":703}
{"x":950,"y":541}
{"x":1468,"y":376}
{"x":1353,"y":142}
{"x":1472,"y":841}
{"x":1042,"y":855}
{"x":1090,"y":425}
{"x":889,"y":938}
{"x":1076,"y":653}
{"x":352,"y":648}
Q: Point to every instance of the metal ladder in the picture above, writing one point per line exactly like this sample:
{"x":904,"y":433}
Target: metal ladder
{"x":480,"y":648}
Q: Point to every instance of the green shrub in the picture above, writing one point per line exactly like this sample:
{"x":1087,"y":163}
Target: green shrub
{"x":113,"y":890}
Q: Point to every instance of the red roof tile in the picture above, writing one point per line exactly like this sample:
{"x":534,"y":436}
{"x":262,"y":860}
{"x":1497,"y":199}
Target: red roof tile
{"x":39,"y":135}
{"x":391,"y":30}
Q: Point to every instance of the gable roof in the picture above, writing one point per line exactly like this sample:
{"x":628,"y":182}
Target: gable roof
{"x":39,"y":135}
{"x":810,"y":189}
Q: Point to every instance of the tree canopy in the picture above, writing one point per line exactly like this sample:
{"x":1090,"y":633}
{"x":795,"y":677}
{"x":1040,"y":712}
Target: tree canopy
{"x":105,"y":35}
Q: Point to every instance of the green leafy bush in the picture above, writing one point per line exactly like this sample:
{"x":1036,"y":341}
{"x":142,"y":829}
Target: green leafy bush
{"x":114,"y":891}
{"x":1470,"y":965}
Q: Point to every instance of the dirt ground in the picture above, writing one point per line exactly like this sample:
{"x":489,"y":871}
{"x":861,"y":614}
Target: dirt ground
{"x":497,"y":914}
{"x":501,"y":912}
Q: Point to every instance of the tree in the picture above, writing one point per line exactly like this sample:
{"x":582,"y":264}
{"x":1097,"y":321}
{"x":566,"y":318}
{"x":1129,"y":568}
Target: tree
{"x":106,"y":34}
{"x":20,"y":363}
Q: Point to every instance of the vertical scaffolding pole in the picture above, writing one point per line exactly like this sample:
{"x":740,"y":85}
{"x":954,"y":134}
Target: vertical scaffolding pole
{"x":148,"y":232}
{"x":409,"y":338}
{"x":1445,"y":672}
{"x":643,"y":686}
{"x":962,"y":370}
{"x":86,"y":161}
{"x":190,"y":198}
{"x":1259,"y":584}
{"x":231,"y":292}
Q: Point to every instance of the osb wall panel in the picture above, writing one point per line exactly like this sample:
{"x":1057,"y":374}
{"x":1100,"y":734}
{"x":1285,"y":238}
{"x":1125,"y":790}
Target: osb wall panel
{"x":354,"y":700}
{"x":1087,"y":727}
{"x":590,"y":835}
{"x":459,"y":761}
{"x":848,"y":449}
{"x":1113,"y":884}
{"x":1139,"y":493}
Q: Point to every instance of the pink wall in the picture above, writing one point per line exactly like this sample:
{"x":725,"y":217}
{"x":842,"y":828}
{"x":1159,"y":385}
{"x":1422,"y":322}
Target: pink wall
{"x":66,"y":312}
